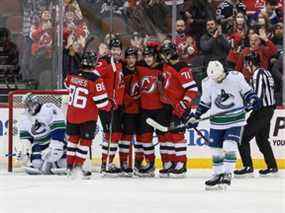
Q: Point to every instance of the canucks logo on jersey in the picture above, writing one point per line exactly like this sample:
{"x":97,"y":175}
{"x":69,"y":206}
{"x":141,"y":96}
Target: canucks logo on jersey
{"x":224,"y":100}
{"x":38,"y":128}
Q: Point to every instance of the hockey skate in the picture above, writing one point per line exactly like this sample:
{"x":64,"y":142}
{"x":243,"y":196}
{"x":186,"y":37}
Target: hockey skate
{"x":269,"y":172}
{"x":110,"y":171}
{"x":138,"y":166}
{"x":245,"y":172}
{"x":77,"y":173}
{"x":179,"y":171}
{"x":147,"y":171}
{"x":165,"y":171}
{"x":218,"y":182}
{"x":126,"y":171}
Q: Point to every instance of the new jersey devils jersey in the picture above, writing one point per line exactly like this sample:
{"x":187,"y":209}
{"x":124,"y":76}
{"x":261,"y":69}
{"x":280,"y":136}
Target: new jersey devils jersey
{"x":113,"y":78}
{"x":132,"y":91}
{"x":149,"y":93}
{"x":177,"y":84}
{"x":87,"y":94}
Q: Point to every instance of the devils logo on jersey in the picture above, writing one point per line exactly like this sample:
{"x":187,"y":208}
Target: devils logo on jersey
{"x":148,"y":84}
{"x":224,"y":100}
{"x":135,"y":90}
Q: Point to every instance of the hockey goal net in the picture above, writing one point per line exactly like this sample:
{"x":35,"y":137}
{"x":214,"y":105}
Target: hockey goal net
{"x":16,"y":108}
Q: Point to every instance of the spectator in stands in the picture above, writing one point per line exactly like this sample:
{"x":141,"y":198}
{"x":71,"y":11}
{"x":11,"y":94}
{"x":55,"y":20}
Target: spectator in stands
{"x":226,"y":13}
{"x":260,"y":44}
{"x":273,"y":13}
{"x":9,"y":57}
{"x":277,"y":38}
{"x":196,"y":17}
{"x":42,"y":36}
{"x":213,"y":44}
{"x":186,"y":45}
{"x":75,"y":33}
{"x":239,"y":39}
{"x":42,"y":32}
{"x":277,"y":74}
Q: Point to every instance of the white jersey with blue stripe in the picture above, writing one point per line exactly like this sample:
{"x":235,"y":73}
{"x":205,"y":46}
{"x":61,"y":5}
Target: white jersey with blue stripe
{"x":225,"y":96}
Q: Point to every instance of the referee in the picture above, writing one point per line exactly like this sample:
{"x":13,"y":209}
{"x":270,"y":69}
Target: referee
{"x":258,"y":123}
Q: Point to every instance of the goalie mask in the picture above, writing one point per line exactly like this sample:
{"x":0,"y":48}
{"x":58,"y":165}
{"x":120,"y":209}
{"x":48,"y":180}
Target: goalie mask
{"x":32,"y":104}
{"x":215,"y":71}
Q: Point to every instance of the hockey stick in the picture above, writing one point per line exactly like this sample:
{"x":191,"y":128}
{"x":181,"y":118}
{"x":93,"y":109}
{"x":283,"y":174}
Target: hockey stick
{"x":112,"y":113}
{"x":162,"y":128}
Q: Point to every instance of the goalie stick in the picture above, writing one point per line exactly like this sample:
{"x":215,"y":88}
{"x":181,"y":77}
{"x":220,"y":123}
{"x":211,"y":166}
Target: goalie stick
{"x":162,"y":128}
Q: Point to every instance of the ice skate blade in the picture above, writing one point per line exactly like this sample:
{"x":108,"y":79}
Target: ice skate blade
{"x":219,"y":187}
{"x":110,"y":175}
{"x":125,"y":174}
{"x":269,"y":175}
{"x":165,"y":175}
{"x":177,"y":176}
{"x":145,"y":175}
{"x":250,"y":175}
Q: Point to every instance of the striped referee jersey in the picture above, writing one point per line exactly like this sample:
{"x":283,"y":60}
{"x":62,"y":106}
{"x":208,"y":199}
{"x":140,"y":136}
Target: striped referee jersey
{"x":263,"y":84}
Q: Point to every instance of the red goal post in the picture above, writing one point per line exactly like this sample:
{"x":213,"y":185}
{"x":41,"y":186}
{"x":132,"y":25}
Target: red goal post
{"x":15,"y":104}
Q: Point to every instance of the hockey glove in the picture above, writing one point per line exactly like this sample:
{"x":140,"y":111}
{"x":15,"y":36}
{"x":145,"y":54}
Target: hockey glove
{"x":192,"y":121}
{"x":253,"y":102}
{"x":181,"y":109}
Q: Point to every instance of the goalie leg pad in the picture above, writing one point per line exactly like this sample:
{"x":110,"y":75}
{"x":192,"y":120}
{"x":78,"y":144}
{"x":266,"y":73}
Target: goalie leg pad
{"x":54,"y":152}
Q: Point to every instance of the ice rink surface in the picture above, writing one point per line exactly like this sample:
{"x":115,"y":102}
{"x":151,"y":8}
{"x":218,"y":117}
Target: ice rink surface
{"x":20,"y":193}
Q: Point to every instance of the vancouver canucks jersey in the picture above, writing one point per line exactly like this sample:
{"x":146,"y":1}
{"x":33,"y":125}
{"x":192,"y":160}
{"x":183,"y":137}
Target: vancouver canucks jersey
{"x":225,"y":96}
{"x":47,"y":124}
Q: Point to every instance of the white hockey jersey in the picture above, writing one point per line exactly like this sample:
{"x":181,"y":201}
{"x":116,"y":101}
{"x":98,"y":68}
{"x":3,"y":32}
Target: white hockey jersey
{"x":48,"y":123}
{"x":224,"y":96}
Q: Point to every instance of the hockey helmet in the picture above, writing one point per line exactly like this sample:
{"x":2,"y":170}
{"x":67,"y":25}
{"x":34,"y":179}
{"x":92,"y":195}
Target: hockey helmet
{"x":148,"y":50}
{"x":115,"y":42}
{"x":131,"y":51}
{"x":88,"y":60}
{"x":215,"y":71}
{"x":32,"y":103}
{"x":168,"y":52}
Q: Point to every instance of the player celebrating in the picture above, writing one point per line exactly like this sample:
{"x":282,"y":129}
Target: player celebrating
{"x":150,"y":106}
{"x":131,"y":112}
{"x":178,"y":90}
{"x":112,"y":75}
{"x":87,"y":94}
{"x":224,"y":93}
{"x":43,"y":126}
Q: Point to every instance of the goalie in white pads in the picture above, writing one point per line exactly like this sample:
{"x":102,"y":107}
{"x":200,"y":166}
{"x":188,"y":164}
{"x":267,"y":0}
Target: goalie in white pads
{"x":42,"y":126}
{"x":222,"y":92}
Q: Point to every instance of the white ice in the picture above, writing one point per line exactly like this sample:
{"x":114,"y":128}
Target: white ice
{"x":57,"y":194}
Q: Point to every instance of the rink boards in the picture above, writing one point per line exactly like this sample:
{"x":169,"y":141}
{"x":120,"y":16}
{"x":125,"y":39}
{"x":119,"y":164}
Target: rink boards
{"x":198,"y":153}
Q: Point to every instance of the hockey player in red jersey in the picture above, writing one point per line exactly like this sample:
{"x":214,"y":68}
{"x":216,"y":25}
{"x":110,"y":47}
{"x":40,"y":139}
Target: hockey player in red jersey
{"x":150,"y":106}
{"x":131,"y":112}
{"x":178,"y":90}
{"x":87,"y":94}
{"x":112,"y":76}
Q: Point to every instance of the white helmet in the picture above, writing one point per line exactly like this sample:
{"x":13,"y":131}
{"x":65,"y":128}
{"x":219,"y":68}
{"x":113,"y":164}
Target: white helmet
{"x":215,"y":71}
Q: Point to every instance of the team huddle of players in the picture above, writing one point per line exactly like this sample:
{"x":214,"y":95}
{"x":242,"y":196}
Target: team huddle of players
{"x":123,"y":94}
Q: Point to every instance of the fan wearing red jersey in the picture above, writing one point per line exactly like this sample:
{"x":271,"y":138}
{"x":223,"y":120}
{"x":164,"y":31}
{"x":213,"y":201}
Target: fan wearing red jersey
{"x":178,"y":90}
{"x":87,"y":94}
{"x":150,"y":106}
{"x":131,"y":112}
{"x":112,"y":76}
